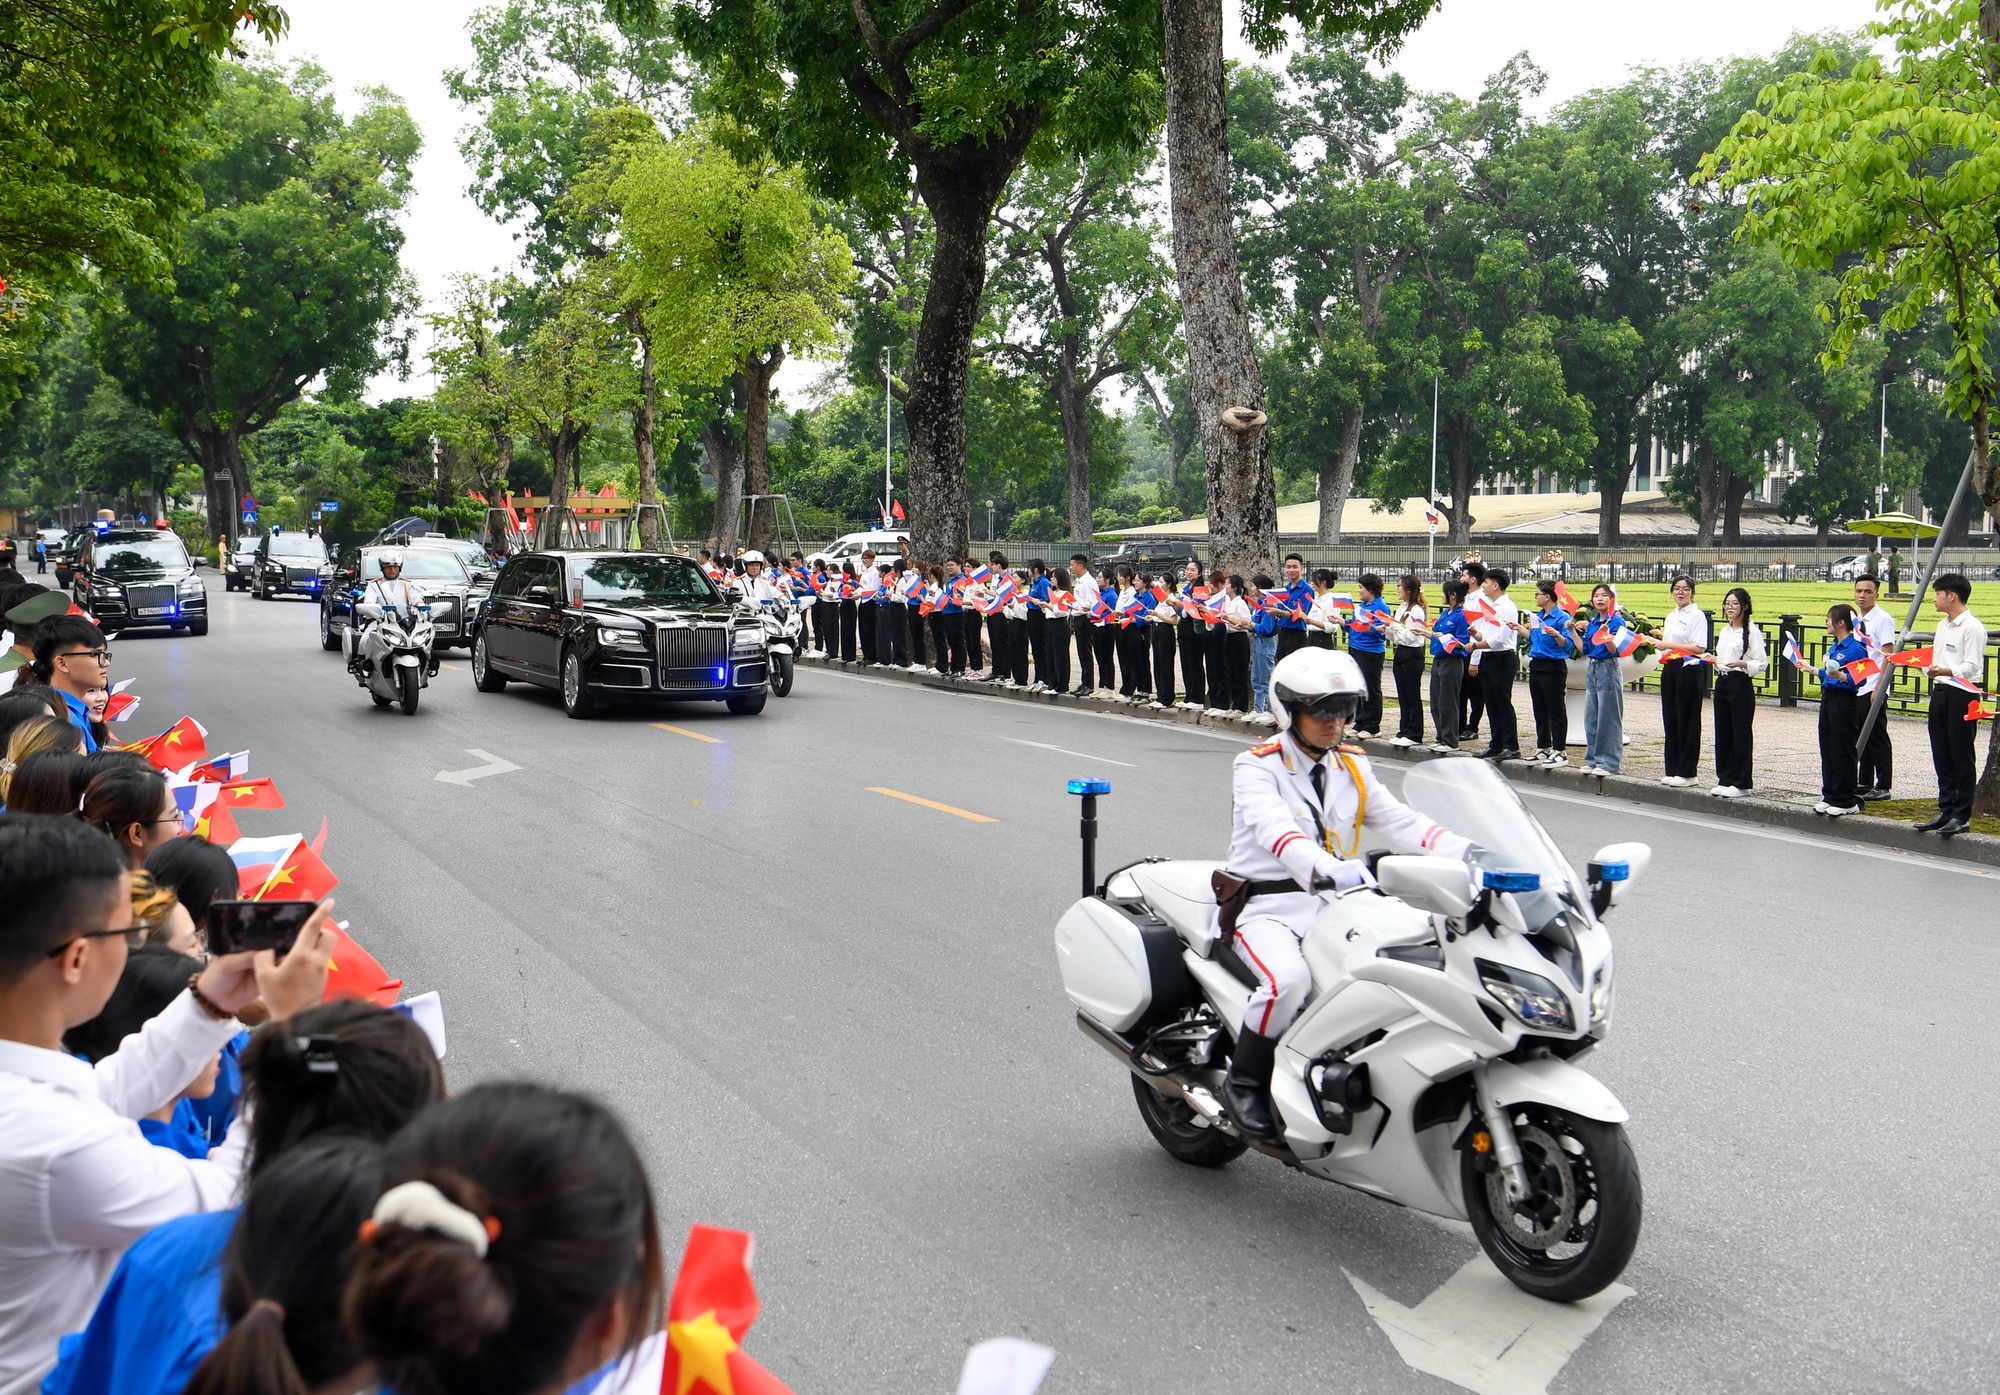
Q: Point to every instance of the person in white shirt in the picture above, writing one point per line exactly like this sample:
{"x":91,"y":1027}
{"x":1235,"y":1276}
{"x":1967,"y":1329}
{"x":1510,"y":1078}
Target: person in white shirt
{"x":1237,"y":622}
{"x":78,"y":1181}
{"x":1409,"y":633}
{"x":1958,"y":676}
{"x":1494,"y":619}
{"x":1877,"y":628}
{"x":1685,"y":630}
{"x":1084,"y":587}
{"x":867,"y":594}
{"x":1739,"y":661}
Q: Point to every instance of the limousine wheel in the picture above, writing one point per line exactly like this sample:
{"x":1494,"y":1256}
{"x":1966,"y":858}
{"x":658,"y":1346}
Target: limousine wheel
{"x":575,"y":695}
{"x":483,"y":676}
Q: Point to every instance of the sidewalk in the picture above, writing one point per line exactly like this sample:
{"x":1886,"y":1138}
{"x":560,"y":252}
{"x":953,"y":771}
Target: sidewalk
{"x":1787,"y":762}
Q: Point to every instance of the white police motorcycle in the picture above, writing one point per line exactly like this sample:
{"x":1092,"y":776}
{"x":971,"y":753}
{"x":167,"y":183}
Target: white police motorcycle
{"x":393,"y":656}
{"x":1436,"y":1062}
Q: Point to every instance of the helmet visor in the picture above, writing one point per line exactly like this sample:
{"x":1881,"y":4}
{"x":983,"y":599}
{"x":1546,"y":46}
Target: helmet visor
{"x":1327,"y":708}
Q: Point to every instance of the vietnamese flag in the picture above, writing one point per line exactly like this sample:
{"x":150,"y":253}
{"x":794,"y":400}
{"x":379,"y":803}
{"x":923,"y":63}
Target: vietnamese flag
{"x":216,"y":825}
{"x":1861,"y":670}
{"x":300,"y":876}
{"x":351,"y":972}
{"x":1978,"y":712}
{"x":712,"y":1306}
{"x":178,"y":746}
{"x":251,"y":794}
{"x":1478,"y":609}
{"x":1914,"y":658}
{"x":1565,"y":599}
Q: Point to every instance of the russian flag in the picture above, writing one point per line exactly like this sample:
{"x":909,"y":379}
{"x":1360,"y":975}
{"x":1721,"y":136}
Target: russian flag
{"x":222,"y":769}
{"x":1102,"y":611}
{"x":1005,"y":591}
{"x":979,"y":575}
{"x":257,"y":859}
{"x":1793,"y":656}
{"x":193,"y":799}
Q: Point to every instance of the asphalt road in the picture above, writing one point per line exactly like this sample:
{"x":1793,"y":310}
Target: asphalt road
{"x":833,"y":1017}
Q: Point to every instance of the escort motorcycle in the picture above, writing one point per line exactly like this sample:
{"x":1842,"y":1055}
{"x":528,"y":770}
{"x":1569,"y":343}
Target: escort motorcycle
{"x":784,"y":639}
{"x":1437,"y":1060}
{"x":393,"y":656}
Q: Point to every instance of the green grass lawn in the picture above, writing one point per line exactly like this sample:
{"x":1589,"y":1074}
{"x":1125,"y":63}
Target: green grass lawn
{"x":1922,"y":810}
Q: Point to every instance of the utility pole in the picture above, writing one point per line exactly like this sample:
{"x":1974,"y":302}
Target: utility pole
{"x":1431,"y":503}
{"x":1882,"y":461}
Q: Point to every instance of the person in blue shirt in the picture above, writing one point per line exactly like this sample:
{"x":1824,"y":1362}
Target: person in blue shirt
{"x":162,"y":1311}
{"x":1839,"y":714}
{"x":1604,"y":635}
{"x":1263,"y":647}
{"x":1550,"y":645}
{"x":1298,"y":593}
{"x":1368,"y":642}
{"x":1041,"y":655}
{"x":1451,"y":638}
{"x":72,"y":656}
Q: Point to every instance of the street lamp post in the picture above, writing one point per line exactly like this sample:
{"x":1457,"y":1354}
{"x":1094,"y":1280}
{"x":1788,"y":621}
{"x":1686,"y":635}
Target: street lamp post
{"x":989,"y":523}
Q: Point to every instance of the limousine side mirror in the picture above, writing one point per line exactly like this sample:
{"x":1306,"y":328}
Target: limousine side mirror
{"x":541,"y":595}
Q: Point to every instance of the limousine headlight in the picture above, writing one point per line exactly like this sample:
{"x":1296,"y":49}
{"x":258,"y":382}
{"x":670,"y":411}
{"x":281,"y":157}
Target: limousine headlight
{"x":611,"y":635}
{"x":747,"y":640}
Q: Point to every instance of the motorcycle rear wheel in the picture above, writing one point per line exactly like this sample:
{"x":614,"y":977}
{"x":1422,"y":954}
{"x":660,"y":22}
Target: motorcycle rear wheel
{"x":409,"y":684}
{"x":1175,"y":1128}
{"x":1587,"y":1173}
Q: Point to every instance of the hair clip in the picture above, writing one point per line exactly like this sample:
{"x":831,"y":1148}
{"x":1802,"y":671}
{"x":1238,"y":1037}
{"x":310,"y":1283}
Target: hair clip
{"x":318,"y":1054}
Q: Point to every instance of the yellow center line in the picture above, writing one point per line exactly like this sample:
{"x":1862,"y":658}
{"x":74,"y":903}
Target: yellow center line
{"x":931,"y":804}
{"x":683,"y":731}
{"x":455,"y":668}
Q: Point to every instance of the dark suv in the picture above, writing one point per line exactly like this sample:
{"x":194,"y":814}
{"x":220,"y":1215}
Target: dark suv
{"x":287,"y":564}
{"x":126,"y":580}
{"x":618,"y":625}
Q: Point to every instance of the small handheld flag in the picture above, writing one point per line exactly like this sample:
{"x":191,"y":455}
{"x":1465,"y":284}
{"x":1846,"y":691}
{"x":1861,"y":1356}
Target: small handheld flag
{"x":710,"y":1310}
{"x":351,"y":972}
{"x":1861,"y":670}
{"x":1565,"y":599}
{"x":1915,"y":658}
{"x":1792,"y":655}
{"x":1979,"y":711}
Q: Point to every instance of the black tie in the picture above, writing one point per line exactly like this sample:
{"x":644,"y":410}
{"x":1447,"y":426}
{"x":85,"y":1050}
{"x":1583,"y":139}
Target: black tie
{"x":1319,"y":784}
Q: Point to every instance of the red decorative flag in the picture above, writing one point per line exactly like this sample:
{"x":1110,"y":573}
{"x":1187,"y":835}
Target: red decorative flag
{"x":216,"y":825}
{"x":712,"y":1306}
{"x":1478,"y":609}
{"x":178,"y":746}
{"x":251,"y":794}
{"x":1861,"y":670}
{"x":1565,"y":599}
{"x":896,"y":508}
{"x":300,"y":877}
{"x":1979,"y":711}
{"x":351,"y":972}
{"x":1914,"y":658}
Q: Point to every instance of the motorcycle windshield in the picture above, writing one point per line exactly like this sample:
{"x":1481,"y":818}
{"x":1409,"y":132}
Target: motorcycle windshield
{"x":1475,"y":801}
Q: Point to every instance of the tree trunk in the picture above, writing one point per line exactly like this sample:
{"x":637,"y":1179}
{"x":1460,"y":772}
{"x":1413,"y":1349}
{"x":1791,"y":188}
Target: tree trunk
{"x":1458,"y":466}
{"x":725,"y":459}
{"x":961,"y":197}
{"x":1074,"y":406}
{"x":1734,"y":491}
{"x":757,"y":443}
{"x":221,"y":455}
{"x":1820,"y":534}
{"x":1708,"y":487}
{"x":1611,"y":493}
{"x":1336,"y":478}
{"x":564,"y":446}
{"x":1222,"y":361}
{"x":642,"y":443}
{"x":498,"y":490}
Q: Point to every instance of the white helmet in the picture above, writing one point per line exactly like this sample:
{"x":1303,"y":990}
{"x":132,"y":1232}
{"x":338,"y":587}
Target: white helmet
{"x":1324,"y":682}
{"x":752,"y":556}
{"x":389,"y":558}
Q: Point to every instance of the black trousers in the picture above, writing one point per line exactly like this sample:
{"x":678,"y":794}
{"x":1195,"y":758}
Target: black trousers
{"x":1059,"y":634}
{"x":1680,"y":715}
{"x":1135,"y":661}
{"x":1472,"y":702}
{"x":1369,"y":718}
{"x":892,"y":635}
{"x":1017,"y":650}
{"x":866,"y":626}
{"x":1086,"y":670}
{"x":941,"y":646}
{"x":1289,"y":640}
{"x":968,"y":635}
{"x":1320,"y":639}
{"x":1547,"y":680}
{"x":1407,"y":666}
{"x":1952,"y":750}
{"x":1214,"y":654}
{"x":1103,"y":644}
{"x":996,"y":644}
{"x":1038,"y":645}
{"x":1735,"y":706}
{"x":1193,"y":641}
{"x":1236,"y":664}
{"x":1447,"y":685}
{"x":1496,"y":684}
{"x":913,"y":615}
{"x":1877,"y":766}
{"x":954,"y":633}
{"x":1839,"y":725}
{"x":1162,"y":640}
{"x":848,"y":624}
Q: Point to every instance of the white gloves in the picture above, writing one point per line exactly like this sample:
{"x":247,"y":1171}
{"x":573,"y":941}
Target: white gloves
{"x":1345,"y":877}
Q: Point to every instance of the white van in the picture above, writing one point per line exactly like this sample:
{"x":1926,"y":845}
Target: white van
{"x":849,"y":546}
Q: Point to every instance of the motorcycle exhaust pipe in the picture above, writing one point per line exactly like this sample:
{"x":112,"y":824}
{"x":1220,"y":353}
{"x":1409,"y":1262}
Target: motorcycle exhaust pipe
{"x":1176,"y":1087}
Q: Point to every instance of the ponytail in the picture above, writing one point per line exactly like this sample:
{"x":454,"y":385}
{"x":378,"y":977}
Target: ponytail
{"x":252,"y":1358}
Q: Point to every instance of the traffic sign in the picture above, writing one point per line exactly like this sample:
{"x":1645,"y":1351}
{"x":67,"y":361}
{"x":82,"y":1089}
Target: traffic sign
{"x":249,"y":503}
{"x":249,"y":516}
{"x":329,"y":506}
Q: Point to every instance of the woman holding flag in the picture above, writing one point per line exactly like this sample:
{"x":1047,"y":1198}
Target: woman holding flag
{"x":1841,"y":673}
{"x":1368,"y":642}
{"x":1407,"y":632}
{"x":1683,"y":657}
{"x":1162,"y":612}
{"x":1451,"y":642}
{"x":1549,"y":648}
{"x":1607,"y":639}
{"x":1739,"y":659}
{"x":1193,"y":636}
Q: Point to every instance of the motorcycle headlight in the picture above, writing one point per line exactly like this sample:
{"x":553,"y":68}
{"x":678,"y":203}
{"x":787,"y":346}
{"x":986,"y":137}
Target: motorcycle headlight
{"x":607,"y":634}
{"x":1600,"y":995}
{"x":1537,"y":1002}
{"x":747,"y":640}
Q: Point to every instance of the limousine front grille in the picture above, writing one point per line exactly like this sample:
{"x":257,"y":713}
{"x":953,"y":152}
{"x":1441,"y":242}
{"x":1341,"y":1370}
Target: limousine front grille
{"x":694,"y":658}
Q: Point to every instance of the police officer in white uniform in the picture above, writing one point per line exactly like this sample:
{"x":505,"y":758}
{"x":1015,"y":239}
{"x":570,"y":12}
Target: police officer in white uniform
{"x":753,"y":587}
{"x":390,"y":592}
{"x":1302,"y":802}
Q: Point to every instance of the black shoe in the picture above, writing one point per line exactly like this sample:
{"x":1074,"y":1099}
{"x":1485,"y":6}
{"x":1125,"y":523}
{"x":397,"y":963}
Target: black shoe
{"x":1488,"y":753}
{"x":1933,"y":825}
{"x":1508,"y":755}
{"x":1953,"y":828}
{"x":1246,"y":1094}
{"x":1865,"y":795}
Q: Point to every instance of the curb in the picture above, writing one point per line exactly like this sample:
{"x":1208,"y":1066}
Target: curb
{"x":1859,"y":828}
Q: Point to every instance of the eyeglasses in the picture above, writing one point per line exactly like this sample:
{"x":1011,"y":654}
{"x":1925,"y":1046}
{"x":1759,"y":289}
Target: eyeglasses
{"x":90,"y":935}
{"x":96,"y":656}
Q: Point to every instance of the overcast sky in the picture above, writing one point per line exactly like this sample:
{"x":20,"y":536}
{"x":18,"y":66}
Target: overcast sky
{"x":1581,"y":44}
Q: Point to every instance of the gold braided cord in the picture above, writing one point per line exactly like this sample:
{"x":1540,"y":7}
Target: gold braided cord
{"x":1360,"y":810}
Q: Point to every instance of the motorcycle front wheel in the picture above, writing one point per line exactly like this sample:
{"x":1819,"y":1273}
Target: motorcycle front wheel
{"x":781,"y":674}
{"x":1581,"y":1223}
{"x":1176,"y":1128}
{"x":409,"y":683}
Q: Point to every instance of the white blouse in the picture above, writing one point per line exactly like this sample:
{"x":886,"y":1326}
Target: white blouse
{"x":1405,"y":627}
{"x":1685,"y":628}
{"x":1729,"y":650}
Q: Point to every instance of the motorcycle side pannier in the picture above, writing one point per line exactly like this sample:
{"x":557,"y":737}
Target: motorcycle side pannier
{"x":1122,"y":969}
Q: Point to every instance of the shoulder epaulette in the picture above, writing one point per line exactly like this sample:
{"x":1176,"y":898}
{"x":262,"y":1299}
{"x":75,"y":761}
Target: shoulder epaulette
{"x":1353,"y":750}
{"x":1266,"y":748}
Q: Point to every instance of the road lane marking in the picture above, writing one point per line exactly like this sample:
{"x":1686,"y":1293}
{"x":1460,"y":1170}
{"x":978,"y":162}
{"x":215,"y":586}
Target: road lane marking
{"x":455,"y":668}
{"x":1481,"y":1333}
{"x":494,"y":766}
{"x":683,"y":731}
{"x":959,"y":694}
{"x":931,"y":804}
{"x":1066,"y":751}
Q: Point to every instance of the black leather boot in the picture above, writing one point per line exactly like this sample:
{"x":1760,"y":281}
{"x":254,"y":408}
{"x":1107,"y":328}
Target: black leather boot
{"x":1247,"y":1091}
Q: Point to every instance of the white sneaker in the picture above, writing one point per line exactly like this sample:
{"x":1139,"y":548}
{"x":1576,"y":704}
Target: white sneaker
{"x":1400,"y":740}
{"x":1442,"y":749}
{"x":1157,"y":706}
{"x":1217,"y":712}
{"x":1556,"y":758}
{"x":1675,"y":780}
{"x":914,"y":668}
{"x":1731,"y":792}
{"x":1833,"y":813}
{"x":1822,"y":807}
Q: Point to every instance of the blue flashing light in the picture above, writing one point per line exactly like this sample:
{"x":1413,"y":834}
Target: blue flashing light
{"x":1511,"y":881}
{"x":1090,"y":787}
{"x":721,"y":675}
{"x":1610,"y":871}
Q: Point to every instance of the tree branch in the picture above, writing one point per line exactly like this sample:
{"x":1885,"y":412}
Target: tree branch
{"x":924,"y":28}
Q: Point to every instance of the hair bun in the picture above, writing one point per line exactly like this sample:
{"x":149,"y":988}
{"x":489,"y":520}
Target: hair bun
{"x":422,"y":1286}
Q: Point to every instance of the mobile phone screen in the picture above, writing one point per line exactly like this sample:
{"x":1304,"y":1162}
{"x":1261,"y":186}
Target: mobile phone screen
{"x":234,"y":926}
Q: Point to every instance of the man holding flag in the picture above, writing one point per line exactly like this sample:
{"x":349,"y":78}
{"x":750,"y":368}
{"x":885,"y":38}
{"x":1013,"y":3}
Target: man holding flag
{"x":1958,"y":672}
{"x":1297,"y":599}
{"x":1876,"y":628}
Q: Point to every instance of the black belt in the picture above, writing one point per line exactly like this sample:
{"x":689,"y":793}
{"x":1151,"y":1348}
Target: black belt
{"x":1284,"y":888}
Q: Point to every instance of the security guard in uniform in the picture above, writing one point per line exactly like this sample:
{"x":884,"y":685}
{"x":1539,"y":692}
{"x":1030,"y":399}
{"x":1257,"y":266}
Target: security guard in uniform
{"x":1302,"y":801}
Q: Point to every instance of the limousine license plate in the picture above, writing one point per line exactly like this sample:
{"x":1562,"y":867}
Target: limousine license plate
{"x":155,"y":610}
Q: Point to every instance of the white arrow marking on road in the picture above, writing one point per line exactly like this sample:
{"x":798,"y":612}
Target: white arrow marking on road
{"x":494,"y":766}
{"x":1481,"y":1333}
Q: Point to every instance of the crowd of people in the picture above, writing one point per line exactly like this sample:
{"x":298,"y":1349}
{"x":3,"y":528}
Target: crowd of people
{"x":1206,"y":639}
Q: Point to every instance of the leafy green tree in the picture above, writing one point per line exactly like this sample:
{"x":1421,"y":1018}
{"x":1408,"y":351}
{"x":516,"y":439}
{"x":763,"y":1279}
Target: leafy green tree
{"x":737,"y":270}
{"x":473,"y":408}
{"x":119,"y":450}
{"x":1080,"y":296}
{"x":571,"y":370}
{"x":290,"y":273}
{"x":860,"y":95}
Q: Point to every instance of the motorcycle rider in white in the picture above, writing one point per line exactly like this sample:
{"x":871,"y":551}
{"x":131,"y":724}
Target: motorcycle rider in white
{"x":753,"y":586}
{"x":1301,"y":803}
{"x":390,"y":592}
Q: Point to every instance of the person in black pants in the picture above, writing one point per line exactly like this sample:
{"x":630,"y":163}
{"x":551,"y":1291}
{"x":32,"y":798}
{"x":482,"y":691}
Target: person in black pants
{"x":1682,"y":684}
{"x":1839,"y":715}
{"x":1408,"y":642}
{"x":1739,"y":659}
{"x":1083,"y":590}
{"x":1549,"y":646}
{"x":1160,"y":635}
{"x":1473,"y":574}
{"x":1017,"y":636}
{"x":1059,"y":633}
{"x":850,"y":621}
{"x":1193,"y":634}
{"x":1957,"y":671}
{"x":892,"y":639}
{"x":1104,"y":637}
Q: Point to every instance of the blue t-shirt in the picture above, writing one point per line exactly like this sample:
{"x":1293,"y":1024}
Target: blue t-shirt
{"x":1039,"y":589}
{"x":1299,"y":595}
{"x":1542,"y":644}
{"x":160,"y":1314}
{"x":1600,"y":637}
{"x":1847,"y":651}
{"x":1453,"y":623}
{"x":1376,"y":639}
{"x":1262,"y":622}
{"x":79,"y":717}
{"x":213,"y":1114}
{"x":181,"y":1133}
